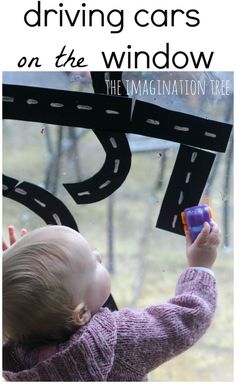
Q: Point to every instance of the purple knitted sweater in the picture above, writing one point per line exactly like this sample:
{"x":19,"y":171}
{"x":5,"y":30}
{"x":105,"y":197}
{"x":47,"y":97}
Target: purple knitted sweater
{"x":123,"y":345}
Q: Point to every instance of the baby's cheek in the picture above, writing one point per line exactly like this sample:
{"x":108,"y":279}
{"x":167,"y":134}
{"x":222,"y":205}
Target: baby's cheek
{"x":104,"y":284}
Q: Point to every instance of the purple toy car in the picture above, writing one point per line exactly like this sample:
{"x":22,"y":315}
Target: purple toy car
{"x":194,"y":217}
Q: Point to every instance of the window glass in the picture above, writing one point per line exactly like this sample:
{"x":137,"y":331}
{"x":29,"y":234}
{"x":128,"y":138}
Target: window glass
{"x":144,"y":261}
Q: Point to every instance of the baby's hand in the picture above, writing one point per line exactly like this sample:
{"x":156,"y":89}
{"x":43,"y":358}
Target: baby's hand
{"x":12,"y":237}
{"x":202,"y":252}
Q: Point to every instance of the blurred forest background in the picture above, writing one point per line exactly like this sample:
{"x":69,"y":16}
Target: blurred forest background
{"x":144,"y":261}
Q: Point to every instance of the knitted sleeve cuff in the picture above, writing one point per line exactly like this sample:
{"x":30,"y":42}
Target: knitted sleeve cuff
{"x":194,"y":279}
{"x":208,"y":270}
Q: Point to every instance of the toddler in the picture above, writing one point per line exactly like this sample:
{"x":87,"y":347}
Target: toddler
{"x":54,"y":325}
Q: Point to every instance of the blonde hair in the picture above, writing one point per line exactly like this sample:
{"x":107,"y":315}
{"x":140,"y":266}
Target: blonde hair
{"x":37,"y":308}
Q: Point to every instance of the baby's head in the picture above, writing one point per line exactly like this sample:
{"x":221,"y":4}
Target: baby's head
{"x":52,"y":283}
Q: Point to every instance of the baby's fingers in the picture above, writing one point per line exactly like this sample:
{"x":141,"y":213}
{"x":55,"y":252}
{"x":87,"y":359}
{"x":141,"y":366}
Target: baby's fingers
{"x":203,"y":235}
{"x":23,"y":232}
{"x":12,"y":236}
{"x":215,"y":235}
{"x":4,"y":245}
{"x":188,"y":239}
{"x":11,"y":232}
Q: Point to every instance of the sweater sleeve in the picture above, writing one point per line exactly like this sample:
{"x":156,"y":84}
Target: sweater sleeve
{"x":147,"y":338}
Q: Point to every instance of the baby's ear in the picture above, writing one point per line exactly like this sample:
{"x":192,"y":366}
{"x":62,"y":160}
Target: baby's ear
{"x":81,"y":314}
